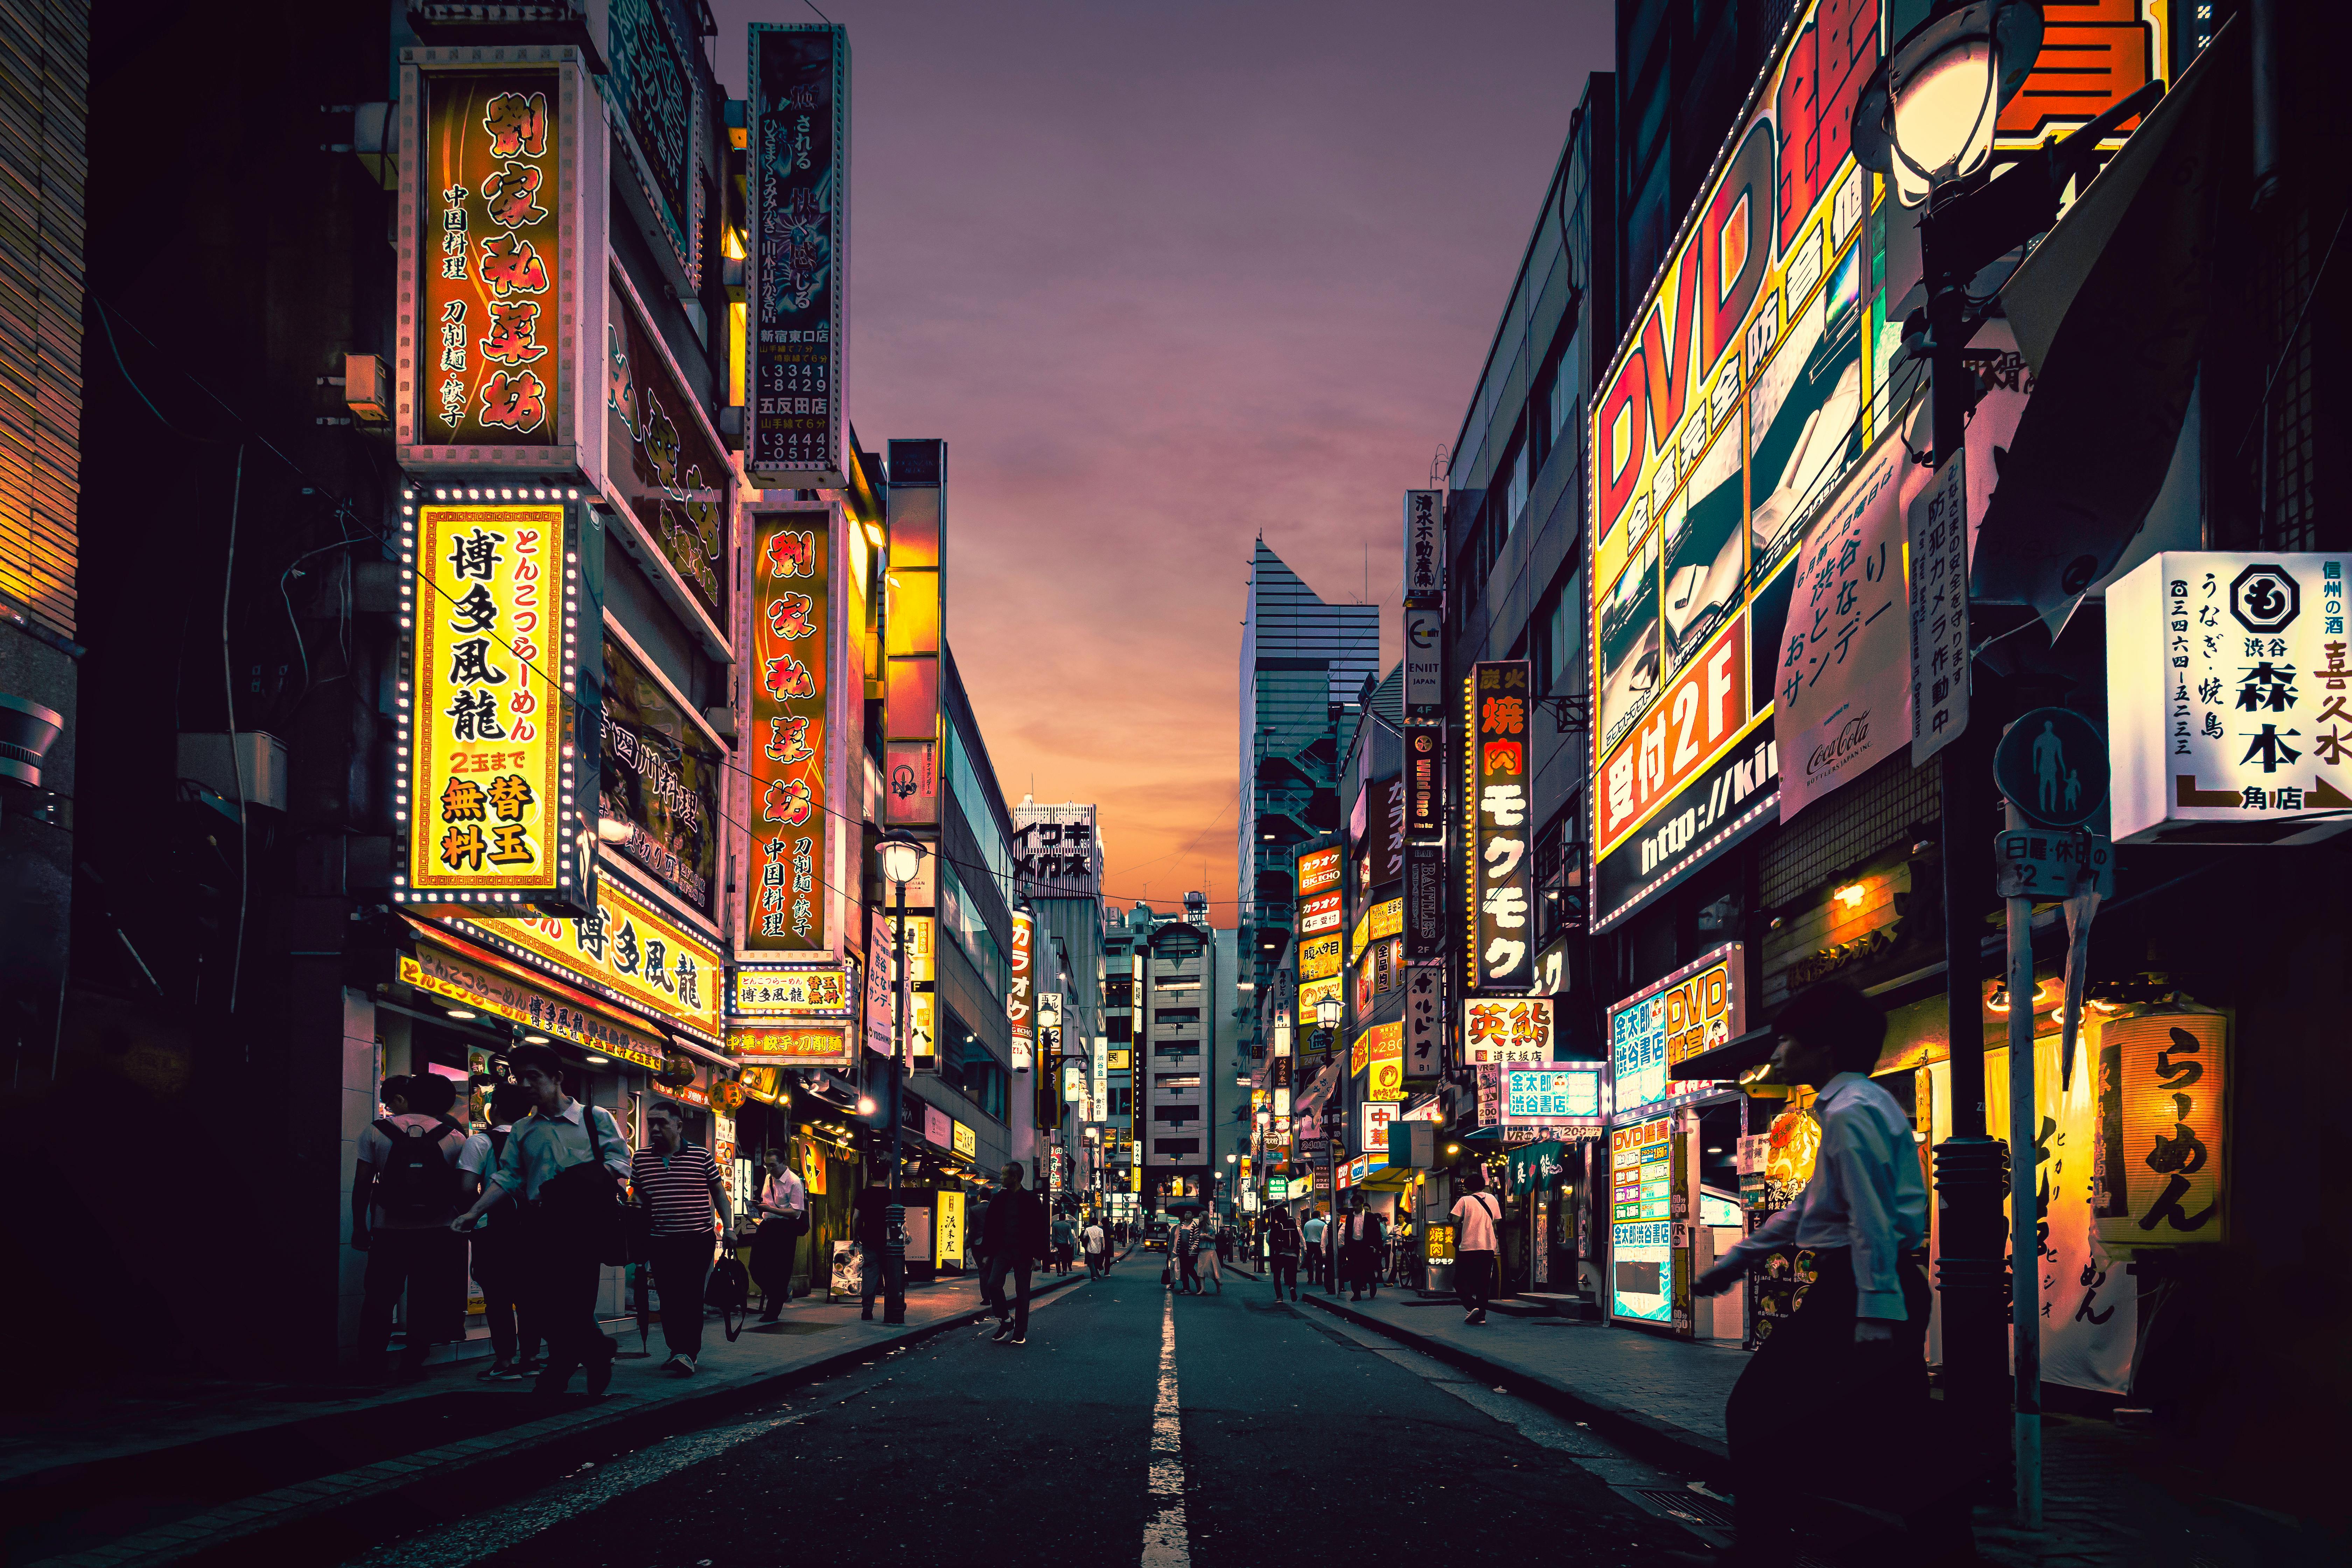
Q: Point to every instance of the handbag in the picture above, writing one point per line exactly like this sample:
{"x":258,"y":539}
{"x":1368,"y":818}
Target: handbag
{"x":580,"y":1207}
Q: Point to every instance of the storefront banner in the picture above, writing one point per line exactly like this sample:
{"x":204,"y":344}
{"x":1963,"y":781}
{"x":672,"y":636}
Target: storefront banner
{"x":791,"y":992}
{"x":661,"y":774}
{"x":1424,"y":545}
{"x":962,"y":1139}
{"x":1495,"y":1033}
{"x":1424,"y":1021}
{"x":803,"y":1047}
{"x":1496,"y":780}
{"x":659,"y":115}
{"x":487,"y":991}
{"x":951,"y":1225}
{"x":1842,"y":688}
{"x":663,"y":460}
{"x":1697,"y":1007}
{"x":881,"y":983}
{"x":790,"y":747}
{"x":797,"y":278}
{"x":1734,"y":796}
{"x":486,"y":716}
{"x":1556,"y":1095}
{"x":2230,"y":699}
{"x":1424,"y":783}
{"x":2162,"y":1160}
{"x":626,"y":949}
{"x":1641,"y":1210}
{"x":1019,"y":1005}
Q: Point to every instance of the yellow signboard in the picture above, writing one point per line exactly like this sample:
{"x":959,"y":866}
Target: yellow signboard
{"x":790,"y":992}
{"x":487,"y":991}
{"x":811,"y":1046}
{"x":1385,"y":920}
{"x":949,"y":1231}
{"x":964,"y":1140}
{"x":1380,"y":1051}
{"x":1121,"y":1061}
{"x":625,"y":950}
{"x":1312,"y":992}
{"x":1319,"y":957}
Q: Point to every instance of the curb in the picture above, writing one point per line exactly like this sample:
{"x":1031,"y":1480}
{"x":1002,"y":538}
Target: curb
{"x":333,"y":1517}
{"x":1645,"y":1437}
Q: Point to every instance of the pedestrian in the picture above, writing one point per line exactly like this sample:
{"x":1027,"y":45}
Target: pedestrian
{"x":1283,"y":1243}
{"x":1848,"y":1367}
{"x":685,"y":1212}
{"x":1211,"y":1262}
{"x":565,"y":1163}
{"x":1097,"y":1246}
{"x":1475,"y":1214}
{"x":879,"y":1213}
{"x":392,"y":1093}
{"x":1334,"y":1232}
{"x":1066,"y":1236}
{"x":1015,"y":1235}
{"x":404,"y":1189}
{"x":1312,"y":1233}
{"x":1362,"y":1248}
{"x":783,"y":1220}
{"x":502,"y":1267}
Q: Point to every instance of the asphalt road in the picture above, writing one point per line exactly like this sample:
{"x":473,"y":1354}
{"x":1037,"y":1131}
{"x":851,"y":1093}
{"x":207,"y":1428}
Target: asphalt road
{"x":1131,"y":1427}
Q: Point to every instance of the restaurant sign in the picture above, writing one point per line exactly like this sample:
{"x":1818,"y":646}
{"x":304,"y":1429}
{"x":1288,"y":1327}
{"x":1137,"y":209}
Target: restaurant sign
{"x":487,"y":991}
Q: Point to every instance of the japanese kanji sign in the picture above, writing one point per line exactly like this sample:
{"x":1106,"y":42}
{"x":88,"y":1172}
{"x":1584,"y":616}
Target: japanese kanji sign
{"x":791,"y":992}
{"x":788,"y":750}
{"x":2159,"y":1165}
{"x":660,"y":774}
{"x":797,"y":278}
{"x":1937,"y":523}
{"x":1496,"y":797}
{"x":485,"y":358}
{"x":1842,"y":677}
{"x":627,"y":950}
{"x":487,"y":991}
{"x":1494,"y":1032}
{"x":1424,"y":1021}
{"x":1020,"y":998}
{"x":1697,"y":1008}
{"x":827,"y":1045}
{"x":1380,"y":1053}
{"x":484,"y":784}
{"x":658,"y":96}
{"x":665,"y":462}
{"x":1425,"y":543}
{"x":1557,"y":1095}
{"x":2230,"y":698}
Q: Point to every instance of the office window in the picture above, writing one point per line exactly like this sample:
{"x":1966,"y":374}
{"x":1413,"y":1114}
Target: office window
{"x":1176,"y":1114}
{"x":1177,"y":1080}
{"x":1560,"y":405}
{"x":1516,"y":501}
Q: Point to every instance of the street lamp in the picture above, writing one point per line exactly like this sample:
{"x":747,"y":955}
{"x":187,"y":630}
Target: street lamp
{"x":1926,"y":118}
{"x":1327,"y":1012}
{"x":901,"y":857}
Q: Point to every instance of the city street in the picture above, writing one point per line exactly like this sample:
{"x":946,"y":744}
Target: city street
{"x":959,"y":1449}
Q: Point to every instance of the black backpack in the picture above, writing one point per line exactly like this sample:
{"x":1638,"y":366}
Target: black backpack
{"x":417,"y":1184}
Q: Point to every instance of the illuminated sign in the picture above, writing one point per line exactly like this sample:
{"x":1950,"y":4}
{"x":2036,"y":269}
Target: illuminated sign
{"x":666,"y":463}
{"x":487,"y":991}
{"x":1320,"y":912}
{"x":486,"y":784}
{"x":659,"y":114}
{"x":1018,"y":1005}
{"x":1496,"y":775}
{"x":2229,"y":699}
{"x":2158,"y":1159}
{"x":1697,"y":1008}
{"x":1318,"y":870}
{"x":964,"y":1140}
{"x":797,"y":275}
{"x":1319,"y":957}
{"x":784,"y":993}
{"x":1384,"y":919}
{"x":1641,"y":1211}
{"x":489,"y":357}
{"x":1424,"y":782}
{"x":627,"y":950}
{"x":1380,"y":1053}
{"x":950,"y":1227}
{"x":1372,"y":1123}
{"x":1552,"y":1096}
{"x":914,"y":596}
{"x":798,"y":1047}
{"x":1494,"y":1031}
{"x":1074,"y":1082}
{"x":791,"y":744}
{"x":938,"y":1126}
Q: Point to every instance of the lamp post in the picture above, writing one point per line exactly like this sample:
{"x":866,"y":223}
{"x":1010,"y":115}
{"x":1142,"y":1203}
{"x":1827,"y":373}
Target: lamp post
{"x":1925,"y":121}
{"x":901,"y":855}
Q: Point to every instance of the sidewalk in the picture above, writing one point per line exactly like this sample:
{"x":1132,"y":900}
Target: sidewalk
{"x":210,"y":1469}
{"x":2114,"y":1498}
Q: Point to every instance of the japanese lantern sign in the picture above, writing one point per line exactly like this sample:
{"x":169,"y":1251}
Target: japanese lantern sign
{"x":790,"y":742}
{"x":2159,"y":1165}
{"x":1495,"y":803}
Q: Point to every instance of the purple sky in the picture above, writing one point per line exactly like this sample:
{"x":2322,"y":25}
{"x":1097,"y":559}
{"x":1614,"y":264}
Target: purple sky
{"x":1166,"y":276}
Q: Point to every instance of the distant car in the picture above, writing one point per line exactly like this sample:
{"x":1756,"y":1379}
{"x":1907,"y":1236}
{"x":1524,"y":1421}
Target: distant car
{"x":1156,"y":1235}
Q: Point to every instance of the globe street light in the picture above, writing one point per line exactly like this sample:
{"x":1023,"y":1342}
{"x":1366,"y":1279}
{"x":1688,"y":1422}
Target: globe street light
{"x":1926,"y":120}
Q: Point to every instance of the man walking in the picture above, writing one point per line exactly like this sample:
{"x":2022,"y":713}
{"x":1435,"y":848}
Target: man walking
{"x":1849,"y":1366}
{"x":564,"y":1162}
{"x":500,"y":1266}
{"x":783,"y":1220}
{"x":1097,"y":1251}
{"x":1065,"y":1237}
{"x":1185,"y":1243}
{"x":405,"y":1187}
{"x":1312,"y":1233}
{"x":1283,"y":1242}
{"x":1015,"y":1236}
{"x":1205,"y":1250}
{"x":1362,"y":1248}
{"x":1475,"y":1214}
{"x":677,"y":1187}
{"x":880,"y":1216}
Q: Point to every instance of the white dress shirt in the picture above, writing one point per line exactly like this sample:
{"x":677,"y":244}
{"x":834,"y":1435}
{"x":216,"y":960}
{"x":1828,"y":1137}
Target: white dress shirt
{"x":1866,"y":1195}
{"x":784,"y":1191}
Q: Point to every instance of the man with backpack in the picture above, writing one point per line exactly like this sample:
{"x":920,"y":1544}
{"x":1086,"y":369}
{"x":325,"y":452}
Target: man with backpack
{"x":565,"y":1163}
{"x":500,"y":1266}
{"x":1475,"y":1215}
{"x":403,"y":1192}
{"x":1283,"y":1243}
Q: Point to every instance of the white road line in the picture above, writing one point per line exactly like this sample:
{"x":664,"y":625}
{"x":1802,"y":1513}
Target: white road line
{"x":1166,"y":1541}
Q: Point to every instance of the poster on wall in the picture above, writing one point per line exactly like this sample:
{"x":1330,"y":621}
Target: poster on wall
{"x":1495,"y":830}
{"x":791,"y":800}
{"x":661,"y":774}
{"x":796,"y":275}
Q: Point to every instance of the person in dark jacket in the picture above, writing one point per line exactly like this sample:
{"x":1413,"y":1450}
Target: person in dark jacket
{"x":1283,"y":1244}
{"x":1361,"y":1247}
{"x":1014,"y":1236}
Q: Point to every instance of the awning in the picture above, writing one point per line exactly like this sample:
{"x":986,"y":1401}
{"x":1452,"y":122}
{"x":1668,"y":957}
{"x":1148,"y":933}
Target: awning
{"x":1536,"y":1166}
{"x":1729,"y":1059}
{"x":2108,"y":311}
{"x":454,"y":969}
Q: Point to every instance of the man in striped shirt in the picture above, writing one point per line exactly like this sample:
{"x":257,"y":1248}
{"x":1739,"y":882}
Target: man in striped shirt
{"x":678,"y":1187}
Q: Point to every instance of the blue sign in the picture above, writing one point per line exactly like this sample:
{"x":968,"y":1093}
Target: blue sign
{"x":2053,"y":766}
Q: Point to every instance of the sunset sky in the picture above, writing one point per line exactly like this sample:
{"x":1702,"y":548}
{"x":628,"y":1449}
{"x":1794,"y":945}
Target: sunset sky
{"x":1165,"y":277}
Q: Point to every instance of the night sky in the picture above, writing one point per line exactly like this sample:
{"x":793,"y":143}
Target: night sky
{"x":1165,"y":277}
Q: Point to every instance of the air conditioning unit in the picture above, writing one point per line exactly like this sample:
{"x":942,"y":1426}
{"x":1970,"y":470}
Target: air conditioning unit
{"x":249,"y":765}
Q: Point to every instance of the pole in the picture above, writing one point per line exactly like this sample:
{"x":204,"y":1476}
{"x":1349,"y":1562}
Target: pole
{"x":895,"y":1239}
{"x":2025,"y":1242}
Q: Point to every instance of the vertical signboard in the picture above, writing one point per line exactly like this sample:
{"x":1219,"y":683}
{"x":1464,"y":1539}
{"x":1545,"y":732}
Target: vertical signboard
{"x":663,"y":459}
{"x":1500,"y":876}
{"x":796,"y":422}
{"x":661,"y":774}
{"x":790,"y":742}
{"x":485,"y":781}
{"x":1019,"y":1005}
{"x":2159,"y":1165}
{"x":1424,"y":782}
{"x":659,"y":118}
{"x":1424,"y":1021}
{"x":1425,"y":543}
{"x":1641,"y":1221}
{"x":1424,"y":902}
{"x":490,"y":249}
{"x":1055,"y":853}
{"x":1937,"y":527}
{"x":915,"y":633}
{"x":1424,"y":662}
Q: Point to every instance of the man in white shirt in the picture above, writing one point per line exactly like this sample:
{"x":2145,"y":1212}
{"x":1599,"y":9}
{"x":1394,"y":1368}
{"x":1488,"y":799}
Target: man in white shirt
{"x":1475,"y":1215}
{"x":783,"y":1220}
{"x":1097,"y":1246}
{"x":1313,"y":1231}
{"x":1848,"y":1367}
{"x":402,"y":1194}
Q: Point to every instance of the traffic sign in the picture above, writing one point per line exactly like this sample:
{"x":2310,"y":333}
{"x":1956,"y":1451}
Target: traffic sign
{"x":2035,"y":863}
{"x":2053,"y":766}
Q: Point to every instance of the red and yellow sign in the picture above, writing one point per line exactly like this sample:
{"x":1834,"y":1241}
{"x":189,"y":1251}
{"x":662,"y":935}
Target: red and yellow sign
{"x":1318,"y":870}
{"x":487,"y":339}
{"x":626,"y":949}
{"x":487,"y":991}
{"x":2159,"y":1156}
{"x":791,"y":622}
{"x":1381,"y":1052}
{"x":1319,"y":957}
{"x":789,"y":992}
{"x":486,"y":793}
{"x":803,"y":1047}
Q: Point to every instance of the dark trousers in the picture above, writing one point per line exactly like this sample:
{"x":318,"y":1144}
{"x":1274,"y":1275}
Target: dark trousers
{"x":1474,"y":1279}
{"x":503,"y":1271}
{"x":681,"y":1265}
{"x":885,"y":1274}
{"x":775,"y":1252}
{"x":993,"y":1288}
{"x":1866,"y":1406}
{"x":1098,"y":1265}
{"x":1190,"y":1272}
{"x":566,"y":1278}
{"x":430,"y":1265}
{"x":1284,"y":1266}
